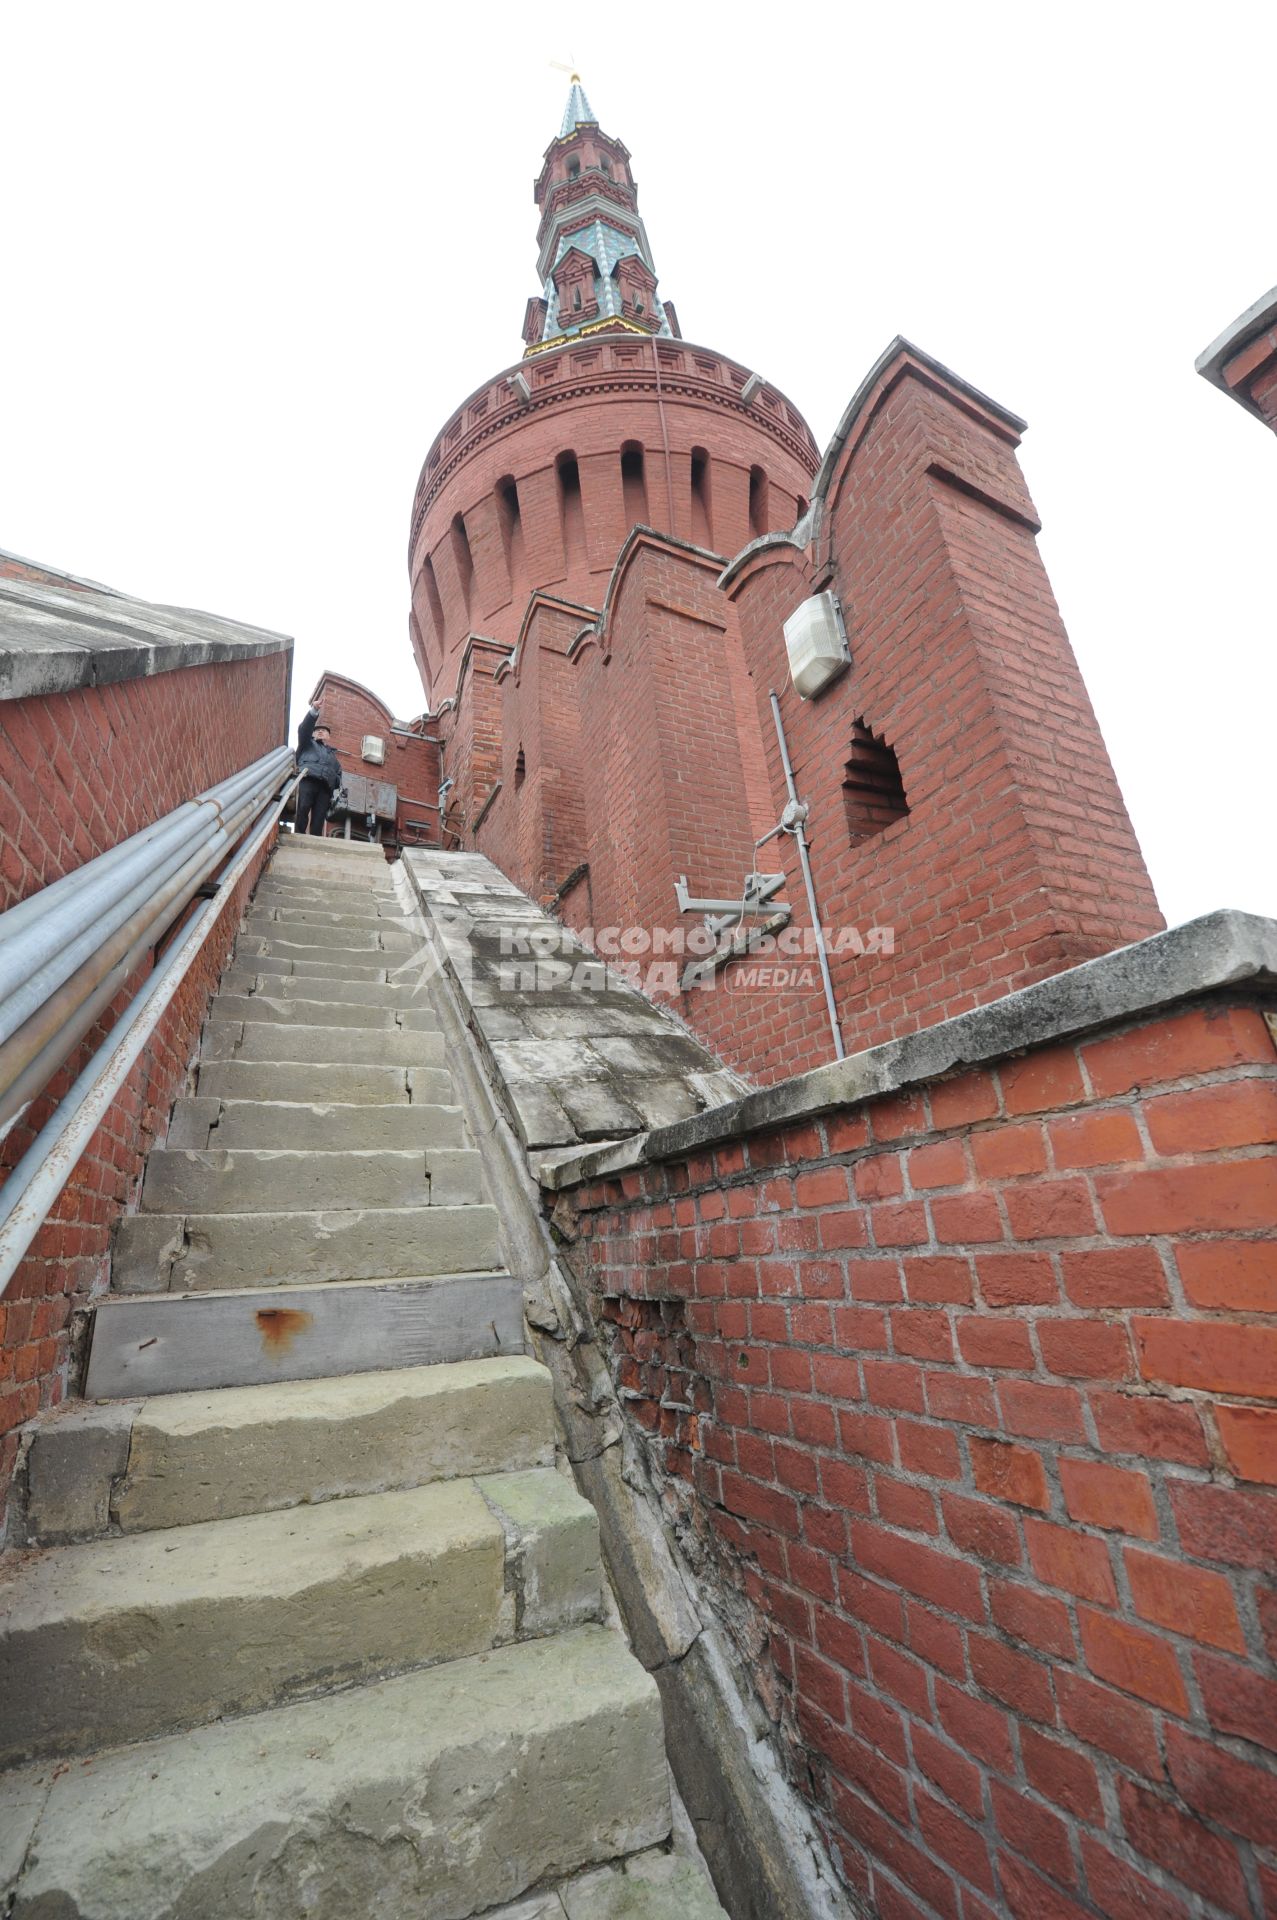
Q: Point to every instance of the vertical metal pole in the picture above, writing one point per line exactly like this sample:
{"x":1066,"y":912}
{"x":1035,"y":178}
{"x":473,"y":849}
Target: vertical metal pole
{"x":801,"y":836}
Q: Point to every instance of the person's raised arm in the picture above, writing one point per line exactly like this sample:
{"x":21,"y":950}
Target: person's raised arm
{"x":307,"y":728}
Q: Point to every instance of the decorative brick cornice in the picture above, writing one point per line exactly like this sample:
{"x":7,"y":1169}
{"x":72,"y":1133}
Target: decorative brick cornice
{"x":691,"y":372}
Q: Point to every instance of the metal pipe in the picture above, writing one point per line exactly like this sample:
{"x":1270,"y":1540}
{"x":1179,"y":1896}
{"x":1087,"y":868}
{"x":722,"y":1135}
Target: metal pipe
{"x":39,"y":905}
{"x":59,"y":937}
{"x":801,"y":837}
{"x":36,"y":904}
{"x":47,"y":1165}
{"x":665,"y":435}
{"x":30,"y":1055}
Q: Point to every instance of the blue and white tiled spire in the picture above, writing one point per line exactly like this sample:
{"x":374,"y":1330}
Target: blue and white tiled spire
{"x":578,"y":112}
{"x":595,"y":262}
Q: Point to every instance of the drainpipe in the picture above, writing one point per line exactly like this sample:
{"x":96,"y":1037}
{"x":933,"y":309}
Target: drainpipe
{"x":660,"y":407}
{"x":798,"y":813}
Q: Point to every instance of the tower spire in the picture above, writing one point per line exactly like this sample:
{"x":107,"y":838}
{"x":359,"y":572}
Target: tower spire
{"x":595,"y":263}
{"x":578,"y":112}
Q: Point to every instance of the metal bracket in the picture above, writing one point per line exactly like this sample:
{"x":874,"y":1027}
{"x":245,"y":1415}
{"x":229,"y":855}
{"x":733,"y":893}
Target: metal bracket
{"x":756,"y":896}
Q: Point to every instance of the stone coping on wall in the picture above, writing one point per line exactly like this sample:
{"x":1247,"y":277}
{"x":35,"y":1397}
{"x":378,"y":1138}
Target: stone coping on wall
{"x":55,"y":639}
{"x":1248,"y":326}
{"x":1218,"y":951}
{"x":571,"y":1059}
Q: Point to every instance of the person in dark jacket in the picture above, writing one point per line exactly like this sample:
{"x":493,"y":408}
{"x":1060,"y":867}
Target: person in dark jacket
{"x":320,"y":770}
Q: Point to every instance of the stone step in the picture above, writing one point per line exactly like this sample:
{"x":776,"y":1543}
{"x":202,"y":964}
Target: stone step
{"x":372,"y":918}
{"x":179,"y":1459}
{"x":266,"y":956}
{"x":276,"y":1040}
{"x":187,"y":1251}
{"x":318,"y":987}
{"x":437,"y":1793}
{"x":329,"y":851}
{"x":323,"y":1127}
{"x":321,"y":887}
{"x":345,"y":1083}
{"x":308,"y":858}
{"x":249,"y":1181}
{"x":378,"y":938}
{"x":118,"y":1640}
{"x":295,"y":1011}
{"x":257,"y":1336}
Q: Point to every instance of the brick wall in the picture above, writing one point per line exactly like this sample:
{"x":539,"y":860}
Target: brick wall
{"x":1015,"y":858}
{"x":411,"y":765}
{"x":535,"y":829}
{"x":78,"y":773}
{"x":963,"y":1400}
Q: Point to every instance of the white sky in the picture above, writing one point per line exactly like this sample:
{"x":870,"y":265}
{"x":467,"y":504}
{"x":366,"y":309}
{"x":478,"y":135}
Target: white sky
{"x":255,"y":254}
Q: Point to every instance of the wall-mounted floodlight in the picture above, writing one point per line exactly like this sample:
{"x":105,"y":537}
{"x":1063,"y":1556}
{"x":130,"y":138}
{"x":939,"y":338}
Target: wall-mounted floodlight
{"x":816,"y":641}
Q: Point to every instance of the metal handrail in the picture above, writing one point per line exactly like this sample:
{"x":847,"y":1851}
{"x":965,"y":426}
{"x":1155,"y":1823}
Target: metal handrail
{"x":182,"y":852}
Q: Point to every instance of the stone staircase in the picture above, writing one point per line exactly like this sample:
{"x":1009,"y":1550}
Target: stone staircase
{"x":308,"y":1622}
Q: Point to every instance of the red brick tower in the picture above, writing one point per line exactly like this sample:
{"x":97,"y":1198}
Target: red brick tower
{"x":609,"y":543}
{"x":611,"y":421}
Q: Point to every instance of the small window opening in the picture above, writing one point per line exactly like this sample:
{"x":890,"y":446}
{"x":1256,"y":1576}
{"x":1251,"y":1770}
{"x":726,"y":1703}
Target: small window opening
{"x":606,"y":165}
{"x":759,"y":502}
{"x":873,"y":791}
{"x":433,"y":602}
{"x":511,"y":523}
{"x":576,"y":299}
{"x":633,"y":484}
{"x":702,"y":531}
{"x":574,"y":167}
{"x":462,"y":555}
{"x":520,"y":768}
{"x":571,"y":512}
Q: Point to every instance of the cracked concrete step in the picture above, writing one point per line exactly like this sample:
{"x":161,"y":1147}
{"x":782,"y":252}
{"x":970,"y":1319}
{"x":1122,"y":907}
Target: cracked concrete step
{"x":254,"y":1180}
{"x":381,"y":937}
{"x":257,"y":1336}
{"x":342,"y":1083}
{"x":282,"y":878}
{"x":179,"y":1459}
{"x":291,"y":1010}
{"x":440,"y":1794}
{"x":317,"y":987}
{"x":187,"y":1252}
{"x":321,"y":1126}
{"x":302,"y":962}
{"x":275,"y":1040}
{"x":117,"y":1640}
{"x":371,"y":916}
{"x":269,"y":956}
{"x":346,"y":1083}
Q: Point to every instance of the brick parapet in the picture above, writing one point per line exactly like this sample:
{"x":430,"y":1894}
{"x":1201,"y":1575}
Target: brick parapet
{"x":964,"y":1386}
{"x":585,"y":368}
{"x":534,"y":496}
{"x":58,"y":633}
